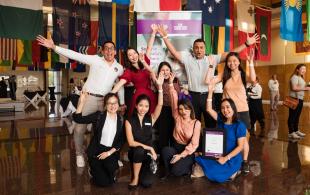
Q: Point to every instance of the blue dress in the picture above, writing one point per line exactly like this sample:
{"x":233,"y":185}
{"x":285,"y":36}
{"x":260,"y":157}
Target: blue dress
{"x":213,"y":170}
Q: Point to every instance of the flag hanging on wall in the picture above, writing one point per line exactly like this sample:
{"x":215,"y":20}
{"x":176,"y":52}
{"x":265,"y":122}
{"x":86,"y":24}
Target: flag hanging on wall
{"x":290,"y":21}
{"x":8,"y":49}
{"x":263,"y":25}
{"x":193,"y":5}
{"x":213,"y":12}
{"x":21,"y":19}
{"x":146,"y":5}
{"x":308,"y":19}
{"x":122,"y":15}
{"x":61,"y":10}
{"x":229,"y":25}
{"x":170,"y":5}
{"x":246,"y":24}
{"x":105,"y":22}
{"x":24,"y":52}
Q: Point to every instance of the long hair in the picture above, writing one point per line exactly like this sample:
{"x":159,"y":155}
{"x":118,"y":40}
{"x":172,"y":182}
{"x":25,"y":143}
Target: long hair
{"x":296,"y":70}
{"x":129,"y":64}
{"x":139,"y":99}
{"x":107,"y":97}
{"x":227,"y":70}
{"x":233,"y":107}
{"x":164,"y":63}
{"x":188,"y":106}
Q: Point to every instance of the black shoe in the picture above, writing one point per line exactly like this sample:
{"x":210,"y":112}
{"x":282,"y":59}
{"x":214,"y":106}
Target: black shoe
{"x":165,"y":177}
{"x":132,"y":187}
{"x":245,"y":167}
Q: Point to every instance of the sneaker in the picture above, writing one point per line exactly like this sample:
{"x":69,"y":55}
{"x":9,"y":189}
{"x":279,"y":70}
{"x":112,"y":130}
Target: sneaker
{"x":80,"y":162}
{"x":301,"y":134}
{"x":294,"y":135}
{"x":245,"y":167}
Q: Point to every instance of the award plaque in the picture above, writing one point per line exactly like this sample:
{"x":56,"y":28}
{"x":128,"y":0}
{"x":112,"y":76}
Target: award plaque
{"x":214,"y":143}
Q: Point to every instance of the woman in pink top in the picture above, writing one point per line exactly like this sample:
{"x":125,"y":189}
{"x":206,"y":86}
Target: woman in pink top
{"x":234,"y":87}
{"x":179,"y":158}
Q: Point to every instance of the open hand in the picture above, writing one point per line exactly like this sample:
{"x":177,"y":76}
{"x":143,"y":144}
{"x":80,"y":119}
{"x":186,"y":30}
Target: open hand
{"x":162,"y":30}
{"x":254,"y":39}
{"x":49,"y":43}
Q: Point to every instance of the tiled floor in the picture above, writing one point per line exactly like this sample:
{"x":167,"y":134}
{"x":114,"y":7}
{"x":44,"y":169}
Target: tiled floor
{"x":37,"y":157}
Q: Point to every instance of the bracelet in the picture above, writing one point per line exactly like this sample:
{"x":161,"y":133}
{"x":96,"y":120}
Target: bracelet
{"x":251,"y":65}
{"x":160,"y":91}
{"x":246,"y":44}
{"x":165,"y":37}
{"x":228,"y":157}
{"x":209,"y":100}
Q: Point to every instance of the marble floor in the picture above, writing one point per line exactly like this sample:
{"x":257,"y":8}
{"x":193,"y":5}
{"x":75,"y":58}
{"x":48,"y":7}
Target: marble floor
{"x":37,"y":157}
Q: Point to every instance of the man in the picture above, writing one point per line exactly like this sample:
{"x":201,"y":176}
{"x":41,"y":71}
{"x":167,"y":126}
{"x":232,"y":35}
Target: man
{"x":273,"y":85}
{"x":196,"y":66}
{"x":103,"y":73}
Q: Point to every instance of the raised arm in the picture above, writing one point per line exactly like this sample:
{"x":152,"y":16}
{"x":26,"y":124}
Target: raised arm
{"x":210,"y":73}
{"x":49,"y":43}
{"x":147,"y":67}
{"x":77,"y":116}
{"x":151,"y":40}
{"x":173,"y":96}
{"x":162,"y":31}
{"x":159,"y":105}
{"x":132,"y":143}
{"x":249,"y":41}
{"x":210,"y":110}
{"x":250,"y":63}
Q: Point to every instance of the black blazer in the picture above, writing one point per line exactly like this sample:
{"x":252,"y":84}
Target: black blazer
{"x":98,"y":120}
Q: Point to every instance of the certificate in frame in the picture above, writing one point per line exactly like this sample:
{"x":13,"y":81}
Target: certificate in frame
{"x":214,"y":143}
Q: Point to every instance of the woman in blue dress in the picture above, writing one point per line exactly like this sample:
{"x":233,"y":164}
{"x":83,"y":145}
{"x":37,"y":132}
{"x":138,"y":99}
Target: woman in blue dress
{"x":225,"y":167}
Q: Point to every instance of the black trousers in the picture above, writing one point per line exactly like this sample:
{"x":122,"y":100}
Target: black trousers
{"x":139,"y":155}
{"x":256,"y":113}
{"x":217,"y":99}
{"x":199,"y":104}
{"x":293,"y":117}
{"x":165,"y":126}
{"x":103,"y":171}
{"x":183,"y":166}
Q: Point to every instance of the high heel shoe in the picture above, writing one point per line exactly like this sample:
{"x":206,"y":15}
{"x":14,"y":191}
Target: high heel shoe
{"x":132,"y":187}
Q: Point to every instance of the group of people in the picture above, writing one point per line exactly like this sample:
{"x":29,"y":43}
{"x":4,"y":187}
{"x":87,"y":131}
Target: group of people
{"x":11,"y":81}
{"x":177,"y":117}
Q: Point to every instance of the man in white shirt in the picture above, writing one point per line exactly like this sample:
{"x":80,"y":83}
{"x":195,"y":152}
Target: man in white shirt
{"x":103,"y":73}
{"x":273,"y":85}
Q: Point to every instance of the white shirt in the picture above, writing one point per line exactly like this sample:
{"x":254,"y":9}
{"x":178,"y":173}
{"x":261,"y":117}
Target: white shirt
{"x":273,"y":85}
{"x":218,"y":88}
{"x":256,"y":91}
{"x":196,"y":70}
{"x":108,"y":131}
{"x":101,"y":76}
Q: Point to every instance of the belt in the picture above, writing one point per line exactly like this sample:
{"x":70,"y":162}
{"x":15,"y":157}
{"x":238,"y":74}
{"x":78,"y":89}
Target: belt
{"x":199,"y":93}
{"x":96,"y":95}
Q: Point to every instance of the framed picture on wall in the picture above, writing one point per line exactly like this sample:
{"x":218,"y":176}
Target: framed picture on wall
{"x":302,"y":47}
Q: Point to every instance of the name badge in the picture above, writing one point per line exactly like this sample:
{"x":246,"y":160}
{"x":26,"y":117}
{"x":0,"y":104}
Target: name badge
{"x":147,"y":124}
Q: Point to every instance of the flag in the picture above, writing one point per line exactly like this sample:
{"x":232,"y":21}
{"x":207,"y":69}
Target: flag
{"x":229,"y":25}
{"x":8,"y":49}
{"x":193,"y":5}
{"x":21,"y":19}
{"x":207,"y":37}
{"x":122,"y":15}
{"x":146,"y":5}
{"x":308,"y":19}
{"x":246,"y":24}
{"x":105,"y":22}
{"x":213,"y":12}
{"x":170,"y":5}
{"x":61,"y":10}
{"x":263,"y":25}
{"x":36,"y":51}
{"x":124,"y":2}
{"x":24,"y":52}
{"x":290,"y":20}
{"x":94,"y":28}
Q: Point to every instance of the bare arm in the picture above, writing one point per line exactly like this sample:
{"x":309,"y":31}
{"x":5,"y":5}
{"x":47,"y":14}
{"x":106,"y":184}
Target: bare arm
{"x":173,"y":96}
{"x":151,"y":40}
{"x":162,"y":31}
{"x":160,"y":102}
{"x":237,"y":150}
{"x":147,"y":67}
{"x":118,"y":85}
{"x":210,"y":110}
{"x":250,"y":63}
{"x":210,"y":73}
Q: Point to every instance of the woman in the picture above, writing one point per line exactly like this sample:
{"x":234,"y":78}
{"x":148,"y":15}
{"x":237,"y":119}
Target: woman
{"x":165,"y":122}
{"x":108,"y":138}
{"x":234,"y":87}
{"x":179,"y":158}
{"x":139,"y":137}
{"x":298,"y":87}
{"x":225,"y":167}
{"x":139,"y":73}
{"x":273,"y":85}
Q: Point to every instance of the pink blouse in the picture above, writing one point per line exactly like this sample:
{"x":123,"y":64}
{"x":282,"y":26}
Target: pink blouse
{"x":184,"y":132}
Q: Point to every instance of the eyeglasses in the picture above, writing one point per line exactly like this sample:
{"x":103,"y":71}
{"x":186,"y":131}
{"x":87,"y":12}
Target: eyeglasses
{"x":108,"y":48}
{"x":112,"y":103}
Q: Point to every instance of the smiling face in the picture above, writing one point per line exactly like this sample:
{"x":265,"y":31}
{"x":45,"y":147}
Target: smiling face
{"x":227,"y":110}
{"x":301,"y":71}
{"x":184,"y":112}
{"x":233,"y":63}
{"x":143,"y":107}
{"x":133,"y":56}
{"x":112,"y":105}
{"x":199,"y":50}
{"x":108,"y":52}
{"x":166,"y":71}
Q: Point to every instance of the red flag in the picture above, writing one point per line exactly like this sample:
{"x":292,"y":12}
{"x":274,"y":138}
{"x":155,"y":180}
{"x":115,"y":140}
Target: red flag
{"x":263,"y":25}
{"x":170,"y":5}
{"x":36,"y":50}
{"x":94,"y":29}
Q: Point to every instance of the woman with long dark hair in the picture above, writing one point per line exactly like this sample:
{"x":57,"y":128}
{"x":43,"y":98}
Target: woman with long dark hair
{"x":108,"y":138}
{"x":298,"y":86}
{"x":139,"y":137}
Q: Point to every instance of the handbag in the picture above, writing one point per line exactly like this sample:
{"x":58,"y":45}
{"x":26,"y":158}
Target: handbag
{"x":290,"y":102}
